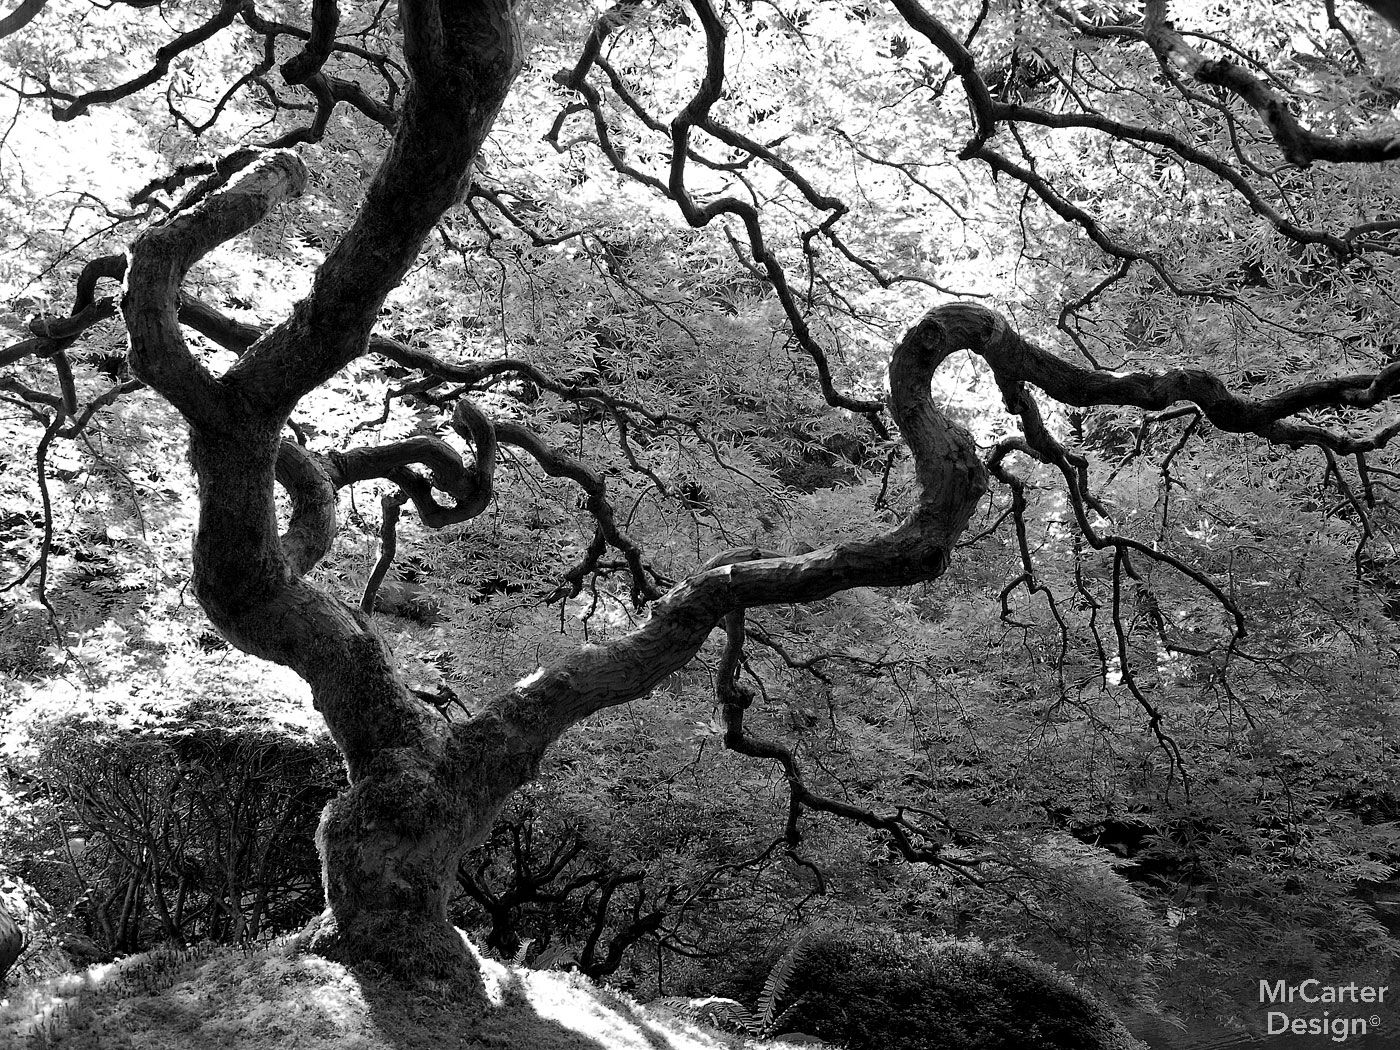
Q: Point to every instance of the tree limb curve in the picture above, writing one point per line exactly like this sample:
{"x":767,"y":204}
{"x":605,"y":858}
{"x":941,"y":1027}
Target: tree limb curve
{"x":162,"y":256}
{"x":951,"y":480}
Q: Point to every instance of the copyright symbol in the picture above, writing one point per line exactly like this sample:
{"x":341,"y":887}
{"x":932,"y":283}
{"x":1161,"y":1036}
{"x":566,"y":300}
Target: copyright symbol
{"x":1375,"y":1020}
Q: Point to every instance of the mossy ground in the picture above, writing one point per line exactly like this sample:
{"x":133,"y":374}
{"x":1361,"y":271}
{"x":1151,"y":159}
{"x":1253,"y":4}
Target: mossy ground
{"x":276,"y":998}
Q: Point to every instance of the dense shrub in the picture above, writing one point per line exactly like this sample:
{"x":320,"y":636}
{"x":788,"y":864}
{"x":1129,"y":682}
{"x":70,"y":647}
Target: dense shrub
{"x":196,"y":828}
{"x":909,"y":993}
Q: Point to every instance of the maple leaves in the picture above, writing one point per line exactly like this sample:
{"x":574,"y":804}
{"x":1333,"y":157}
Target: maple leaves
{"x":732,"y":214}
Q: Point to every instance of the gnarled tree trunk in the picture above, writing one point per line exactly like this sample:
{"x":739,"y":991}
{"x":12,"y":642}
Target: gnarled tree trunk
{"x":391,"y":842}
{"x":423,"y":790}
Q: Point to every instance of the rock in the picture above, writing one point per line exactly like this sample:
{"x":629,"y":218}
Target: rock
{"x":83,"y":951}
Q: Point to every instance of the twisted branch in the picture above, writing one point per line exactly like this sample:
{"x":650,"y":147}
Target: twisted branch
{"x":160,"y":258}
{"x":80,"y":104}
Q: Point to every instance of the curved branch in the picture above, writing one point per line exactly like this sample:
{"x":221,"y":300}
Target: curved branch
{"x":80,"y":104}
{"x":950,"y":478}
{"x":325,"y":17}
{"x":312,"y":527}
{"x":462,"y":62}
{"x":469,"y":486}
{"x":160,"y":258}
{"x":52,"y":335}
{"x":950,"y":481}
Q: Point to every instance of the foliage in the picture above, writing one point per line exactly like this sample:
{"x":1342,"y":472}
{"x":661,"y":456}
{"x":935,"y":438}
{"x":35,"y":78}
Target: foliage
{"x":766,"y":1019}
{"x":194,"y":825}
{"x":909,"y":993}
{"x":1152,"y":703}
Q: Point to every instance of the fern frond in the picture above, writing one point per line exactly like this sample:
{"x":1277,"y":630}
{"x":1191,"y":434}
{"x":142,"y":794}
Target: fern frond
{"x":776,"y":1024}
{"x":675,"y":1003}
{"x":724,"y":1014}
{"x":556,"y":957}
{"x":775,"y":988}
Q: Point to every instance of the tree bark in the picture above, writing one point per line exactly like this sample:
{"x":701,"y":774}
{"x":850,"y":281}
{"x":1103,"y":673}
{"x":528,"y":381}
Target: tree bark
{"x":422,"y":790}
{"x":390,"y":844}
{"x":11,"y":943}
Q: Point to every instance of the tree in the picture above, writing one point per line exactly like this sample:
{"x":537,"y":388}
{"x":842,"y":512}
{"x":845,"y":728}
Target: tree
{"x":1210,"y":127}
{"x":11,"y":942}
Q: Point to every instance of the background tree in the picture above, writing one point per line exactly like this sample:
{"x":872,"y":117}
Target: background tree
{"x":1191,"y":211}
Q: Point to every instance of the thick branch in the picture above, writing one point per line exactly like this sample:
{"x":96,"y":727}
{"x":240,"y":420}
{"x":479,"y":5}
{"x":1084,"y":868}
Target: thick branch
{"x":470,"y":486}
{"x":312,"y":527}
{"x":1298,"y":144}
{"x":462,"y":60}
{"x":325,"y":17}
{"x":20,"y":17}
{"x":162,"y":256}
{"x":52,"y":335}
{"x":951,"y":480}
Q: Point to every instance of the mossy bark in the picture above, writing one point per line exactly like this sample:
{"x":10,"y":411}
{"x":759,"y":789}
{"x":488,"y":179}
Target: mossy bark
{"x":390,"y":847}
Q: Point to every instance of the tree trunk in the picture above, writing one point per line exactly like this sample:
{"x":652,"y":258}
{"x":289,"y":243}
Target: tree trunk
{"x":11,"y":943}
{"x":422,"y":790}
{"x":390,"y":842}
{"x":390,"y":845}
